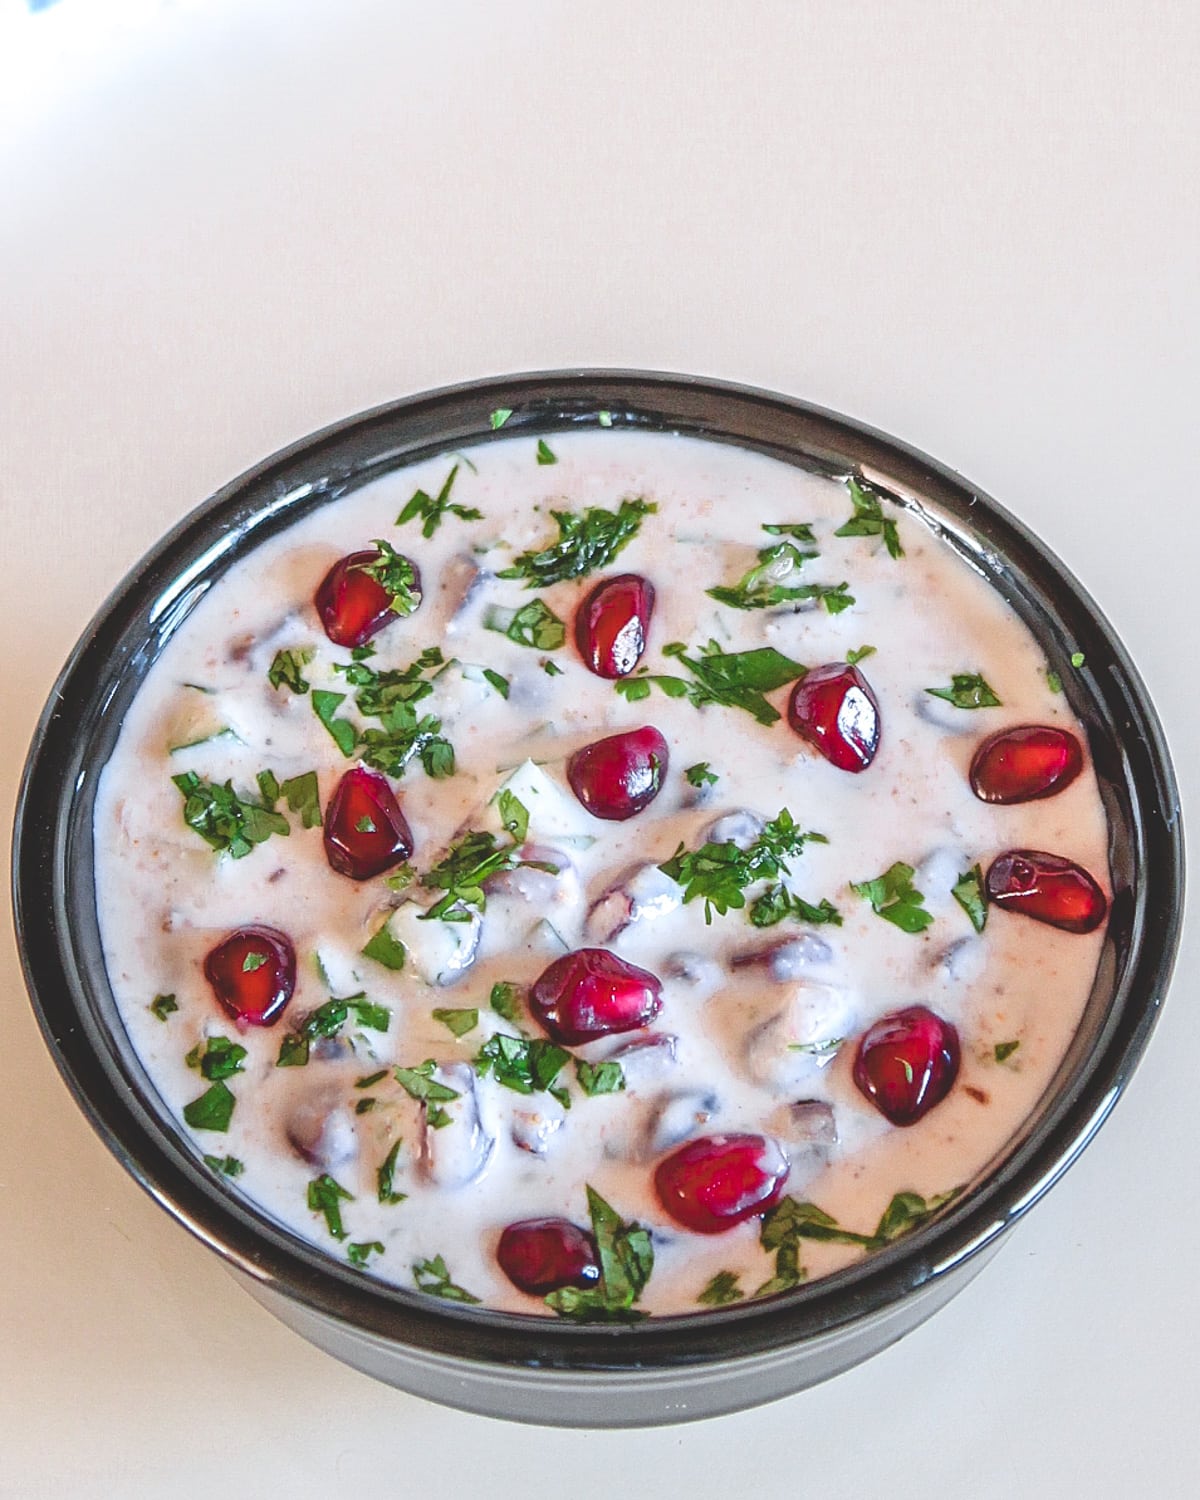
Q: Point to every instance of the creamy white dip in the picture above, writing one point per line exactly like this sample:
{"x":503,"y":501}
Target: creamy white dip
{"x":747,"y":1040}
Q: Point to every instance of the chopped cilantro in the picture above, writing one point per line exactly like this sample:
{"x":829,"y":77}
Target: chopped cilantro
{"x":970,"y":893}
{"x":719,"y":873}
{"x":967,"y":690}
{"x":213,"y":1110}
{"x":868,"y":519}
{"x":499,"y":417}
{"x":304,"y":797}
{"x":585,"y":543}
{"x":854,"y":657}
{"x":626,"y":1260}
{"x":499,"y":682}
{"x":419,"y":1083}
{"x":385,"y":1176}
{"x":225,"y":821}
{"x":286,"y":670}
{"x":474,"y":859}
{"x":893,"y":897}
{"x":1053,"y":680}
{"x":551,"y":668}
{"x":700,"y":775}
{"x":326,"y":1021}
{"x":526,"y":1067}
{"x":431,"y":510}
{"x":359,"y":1253}
{"x":1078,"y":659}
{"x":800,"y":531}
{"x":721,"y":1290}
{"x":458,"y":1022}
{"x":604,"y":418}
{"x":777,"y":902}
{"x":365,"y":1106}
{"x":216,"y":1057}
{"x":163,"y":1006}
{"x":390,"y":696}
{"x":544,"y":453}
{"x":325,"y":1196}
{"x":433,"y":1276}
{"x":505,"y":1000}
{"x":1004,"y":1050}
{"x":734,"y":679}
{"x":227,"y":1166}
{"x":371,"y":1079}
{"x":396,"y":576}
{"x":325,"y":705}
{"x":385,"y":949}
{"x":600,"y":1078}
{"x":770,"y":583}
{"x":253,"y":962}
{"x":535,"y":624}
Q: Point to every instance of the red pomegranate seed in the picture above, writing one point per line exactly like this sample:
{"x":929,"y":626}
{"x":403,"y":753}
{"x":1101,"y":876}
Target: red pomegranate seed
{"x":714,"y":1182}
{"x":353,"y":605}
{"x":612,"y":623}
{"x":543,"y":1255}
{"x":253,"y":974}
{"x":1022,"y":764}
{"x":834,"y":709}
{"x":617,"y":777}
{"x":1047,"y":888}
{"x":365,"y":831}
{"x":591,"y":993}
{"x":906,"y":1063}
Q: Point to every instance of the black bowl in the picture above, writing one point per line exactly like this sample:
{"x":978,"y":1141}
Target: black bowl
{"x":536,"y":1368}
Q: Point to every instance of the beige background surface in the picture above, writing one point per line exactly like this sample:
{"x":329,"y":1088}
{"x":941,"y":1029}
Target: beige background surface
{"x":224,"y":224}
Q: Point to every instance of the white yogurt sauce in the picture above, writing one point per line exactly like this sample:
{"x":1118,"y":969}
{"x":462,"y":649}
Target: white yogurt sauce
{"x":165,"y":899}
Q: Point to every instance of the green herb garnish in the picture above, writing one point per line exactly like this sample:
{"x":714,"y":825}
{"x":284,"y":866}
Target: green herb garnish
{"x":385,"y":949}
{"x":768,"y":584}
{"x":1004,"y":1050}
{"x":719,"y":873}
{"x":163,"y":1006}
{"x":1077,"y":659}
{"x":700,"y":775}
{"x":326,"y":1021}
{"x":585,"y":543}
{"x":227,"y":1166}
{"x":800,"y":531}
{"x":473,"y":860}
{"x":626,"y":1261}
{"x":419,"y":1083}
{"x":600,"y":1078}
{"x":457,"y":1022}
{"x":893,"y":897}
{"x":390,"y":697}
{"x":868,"y":519}
{"x":216,"y":1057}
{"x":359,"y":1253}
{"x":395,"y":575}
{"x":535,"y":624}
{"x":854,"y":657}
{"x":499,"y":417}
{"x":286,"y":670}
{"x":325,"y":1196}
{"x":385,"y":1176}
{"x":325,"y":705}
{"x":433,"y":1276}
{"x":544,"y":454}
{"x":551,"y":668}
{"x":721,"y":1290}
{"x":967,"y":690}
{"x":431,"y":510}
{"x":604,"y":418}
{"x":734,"y":679}
{"x":227,"y":822}
{"x":505,"y":1000}
{"x":971,"y":895}
{"x":1053,"y":680}
{"x":499,"y":682}
{"x":303,"y":796}
{"x":526,"y":1067}
{"x":213,"y":1110}
{"x":253,"y":962}
{"x":777,"y":902}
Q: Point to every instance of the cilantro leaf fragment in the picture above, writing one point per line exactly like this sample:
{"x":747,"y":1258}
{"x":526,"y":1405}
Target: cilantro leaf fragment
{"x":359,"y":1252}
{"x":432,"y":510}
{"x":854,"y":657}
{"x":420,"y":1084}
{"x":600,"y":1078}
{"x":390,"y":696}
{"x":303,"y":796}
{"x":252,"y":962}
{"x":216,"y":1057}
{"x":433,"y":1276}
{"x":868,"y":519}
{"x":700,"y":775}
{"x":227,"y":1166}
{"x":970,"y":893}
{"x":213,"y":1110}
{"x":535,"y":625}
{"x":325,"y":1196}
{"x":473,"y":860}
{"x":718,"y":873}
{"x":1004,"y":1050}
{"x":327,"y":1021}
{"x":1078,"y":659}
{"x":287,"y":669}
{"x":385,"y":1176}
{"x":396,"y":576}
{"x":163,"y":1006}
{"x":777,"y":902}
{"x":1053,"y":680}
{"x":551,"y":668}
{"x":497,"y":680}
{"x":800,"y":531}
{"x":967,"y":690}
{"x":733,"y":679}
{"x":524,"y":1066}
{"x":894,"y":898}
{"x":770,"y":583}
{"x":371,"y":1079}
{"x":585,"y":542}
{"x":325,"y":705}
{"x":385,"y":949}
{"x":626,"y":1258}
{"x":505,"y":1000}
{"x":545,"y":454}
{"x":721,"y":1290}
{"x":227,"y":822}
{"x":457,"y":1022}
{"x":498,"y":418}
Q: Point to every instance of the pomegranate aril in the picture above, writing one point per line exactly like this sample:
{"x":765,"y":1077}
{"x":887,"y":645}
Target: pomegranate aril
{"x":834,"y":709}
{"x":592,"y":993}
{"x":353,"y":605}
{"x":617,"y":777}
{"x":714,"y":1182}
{"x":612,"y":623}
{"x":1047,"y":888}
{"x":365,"y":831}
{"x":1022,"y":764}
{"x":253,"y":973}
{"x":545,"y":1255}
{"x":906,"y":1063}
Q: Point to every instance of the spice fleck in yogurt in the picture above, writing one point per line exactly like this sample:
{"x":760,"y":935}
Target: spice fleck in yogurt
{"x":603,"y":875}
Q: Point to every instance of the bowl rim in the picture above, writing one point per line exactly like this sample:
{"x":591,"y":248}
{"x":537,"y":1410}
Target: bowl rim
{"x":160,"y":590}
